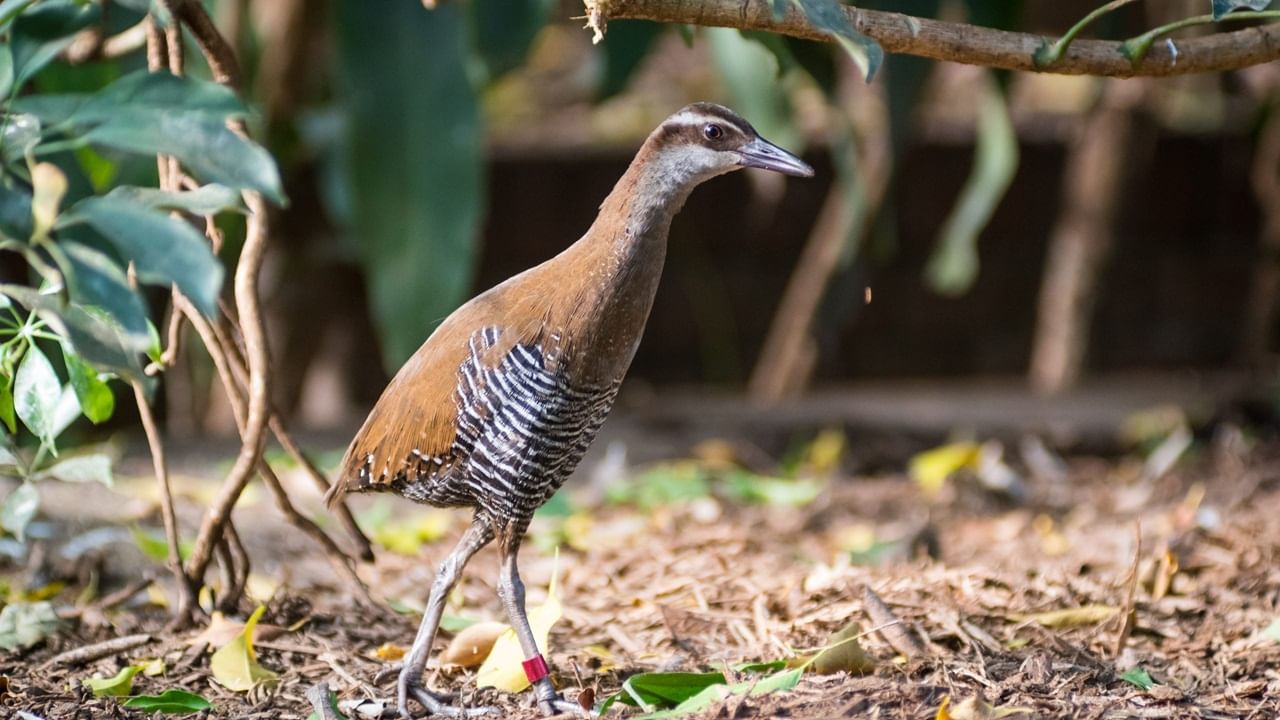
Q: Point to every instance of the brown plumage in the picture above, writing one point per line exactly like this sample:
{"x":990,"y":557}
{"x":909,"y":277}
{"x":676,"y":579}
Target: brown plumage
{"x":497,"y":407}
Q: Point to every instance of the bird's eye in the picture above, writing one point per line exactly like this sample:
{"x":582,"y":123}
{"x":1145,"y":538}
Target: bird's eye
{"x":713,"y":132}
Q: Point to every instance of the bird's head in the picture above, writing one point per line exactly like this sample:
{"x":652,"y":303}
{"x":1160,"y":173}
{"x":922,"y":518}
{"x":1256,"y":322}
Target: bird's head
{"x":704,"y":139}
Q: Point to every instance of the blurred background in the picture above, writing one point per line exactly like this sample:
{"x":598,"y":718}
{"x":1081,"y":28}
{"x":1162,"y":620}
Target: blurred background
{"x":1041,"y":233}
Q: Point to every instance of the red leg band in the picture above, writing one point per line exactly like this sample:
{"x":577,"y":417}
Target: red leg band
{"x":535,"y":668}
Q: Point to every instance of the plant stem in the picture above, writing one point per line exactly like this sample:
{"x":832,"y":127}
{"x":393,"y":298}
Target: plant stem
{"x":1049,"y":54}
{"x":1136,"y":48}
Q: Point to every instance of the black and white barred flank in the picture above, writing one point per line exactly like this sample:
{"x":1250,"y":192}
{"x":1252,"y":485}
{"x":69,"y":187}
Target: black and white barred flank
{"x":522,"y":429}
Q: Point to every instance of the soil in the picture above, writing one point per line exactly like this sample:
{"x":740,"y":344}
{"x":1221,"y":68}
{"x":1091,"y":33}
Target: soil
{"x":968,"y":573}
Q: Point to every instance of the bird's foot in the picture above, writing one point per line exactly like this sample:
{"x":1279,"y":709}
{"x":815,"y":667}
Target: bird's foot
{"x":410,"y":687}
{"x":557,"y":705}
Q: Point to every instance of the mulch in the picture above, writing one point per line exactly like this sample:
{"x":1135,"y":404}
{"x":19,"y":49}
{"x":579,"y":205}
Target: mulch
{"x":1194,"y":554}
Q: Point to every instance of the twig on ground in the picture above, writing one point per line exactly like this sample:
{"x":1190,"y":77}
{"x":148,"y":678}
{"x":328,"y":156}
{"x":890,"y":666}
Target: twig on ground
{"x":97,"y":651}
{"x":1127,"y":617}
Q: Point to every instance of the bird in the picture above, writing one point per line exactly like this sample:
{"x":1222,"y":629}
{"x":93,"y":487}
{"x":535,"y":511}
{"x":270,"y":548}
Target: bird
{"x":498,"y":406}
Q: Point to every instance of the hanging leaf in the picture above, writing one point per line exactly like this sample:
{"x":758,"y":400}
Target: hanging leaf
{"x":208,"y":199}
{"x":623,"y":49}
{"x":504,"y":31}
{"x":1223,"y":7}
{"x":749,"y":72}
{"x":95,"y":399}
{"x":164,"y":250}
{"x":24,"y":624}
{"x":80,"y":469}
{"x":235,"y":665}
{"x":97,"y":280}
{"x":94,"y":337}
{"x":953,"y":268}
{"x":7,"y":415}
{"x":503,"y":668}
{"x":48,"y":186}
{"x":415,"y":161}
{"x":18,"y":509}
{"x":119,"y":686}
{"x":830,"y":17}
{"x":6,"y":70}
{"x":177,"y":702}
{"x":43,"y":31}
{"x":36,"y":393}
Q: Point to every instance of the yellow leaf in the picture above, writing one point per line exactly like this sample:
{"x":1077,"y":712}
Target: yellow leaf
{"x":473,"y":644}
{"x":235,"y":665}
{"x":931,"y":468}
{"x":842,"y":653}
{"x":389,"y":651}
{"x":824,"y":453}
{"x":405,"y":538}
{"x":152,"y":667}
{"x":504,"y":668}
{"x":48,"y":185}
{"x":1071,"y":617}
{"x":943,"y":713}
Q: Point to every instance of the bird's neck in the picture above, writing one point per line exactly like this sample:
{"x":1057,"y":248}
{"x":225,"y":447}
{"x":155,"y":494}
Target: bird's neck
{"x":650,"y":193}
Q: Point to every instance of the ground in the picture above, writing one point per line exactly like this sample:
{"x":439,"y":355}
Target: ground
{"x":971,"y":580}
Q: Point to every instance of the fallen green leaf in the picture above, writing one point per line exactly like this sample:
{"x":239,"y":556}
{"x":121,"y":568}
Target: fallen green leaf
{"x":333,"y":705}
{"x":842,"y":653}
{"x":1139,"y":678}
{"x":174,"y":702}
{"x":119,"y":686}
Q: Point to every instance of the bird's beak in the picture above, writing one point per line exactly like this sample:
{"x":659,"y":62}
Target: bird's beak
{"x":760,"y":153}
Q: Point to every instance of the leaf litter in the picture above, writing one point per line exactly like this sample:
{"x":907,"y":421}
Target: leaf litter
{"x":997,"y":621}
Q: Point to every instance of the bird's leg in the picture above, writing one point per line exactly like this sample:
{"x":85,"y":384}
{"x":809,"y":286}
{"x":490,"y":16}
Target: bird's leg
{"x":511,"y":592}
{"x":410,"y":683}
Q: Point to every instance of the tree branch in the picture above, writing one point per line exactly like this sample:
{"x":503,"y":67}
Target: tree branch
{"x":963,"y":43}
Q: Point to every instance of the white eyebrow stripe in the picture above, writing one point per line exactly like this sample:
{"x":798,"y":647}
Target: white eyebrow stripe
{"x":697,"y":118}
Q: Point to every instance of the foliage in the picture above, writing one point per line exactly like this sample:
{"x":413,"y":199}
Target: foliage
{"x":175,"y":702}
{"x":76,"y":205}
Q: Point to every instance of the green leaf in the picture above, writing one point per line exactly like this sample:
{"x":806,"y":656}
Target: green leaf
{"x":119,"y":686}
{"x":954,"y":266}
{"x":18,"y":509}
{"x":830,"y":17}
{"x":175,"y":702}
{"x":1139,"y":678}
{"x":6,"y":403}
{"x":9,"y":9}
{"x":79,"y":469}
{"x":207,"y":147}
{"x":456,"y":623}
{"x":25,"y":624}
{"x":6,"y":70}
{"x":624,"y":47}
{"x":15,"y":203}
{"x":504,"y":31}
{"x":666,"y":689}
{"x":712,"y":694}
{"x":43,"y":31}
{"x":96,"y":399}
{"x":208,"y":199}
{"x":36,"y":393}
{"x":1223,"y":7}
{"x":415,"y":161}
{"x":164,"y":250}
{"x":161,"y":94}
{"x":93,"y":337}
{"x":97,"y":280}
{"x":750,"y":73}
{"x":153,"y":544}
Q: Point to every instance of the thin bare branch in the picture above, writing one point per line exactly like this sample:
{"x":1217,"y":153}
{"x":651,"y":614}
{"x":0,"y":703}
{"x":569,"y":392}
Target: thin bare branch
{"x":964,"y":43}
